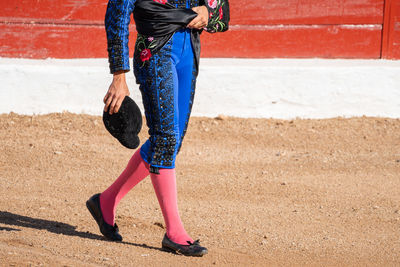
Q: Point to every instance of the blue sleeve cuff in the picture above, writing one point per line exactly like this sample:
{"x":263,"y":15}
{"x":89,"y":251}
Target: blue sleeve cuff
{"x":118,"y":57}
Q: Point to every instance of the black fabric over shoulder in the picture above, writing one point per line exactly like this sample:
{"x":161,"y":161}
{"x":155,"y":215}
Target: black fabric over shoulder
{"x":156,"y":19}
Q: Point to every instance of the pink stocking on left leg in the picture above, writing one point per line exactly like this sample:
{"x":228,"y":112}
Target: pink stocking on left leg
{"x":136,"y":171}
{"x":165,"y":187}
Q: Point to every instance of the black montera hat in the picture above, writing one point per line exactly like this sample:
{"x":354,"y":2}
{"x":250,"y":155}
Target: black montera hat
{"x":126,"y":124}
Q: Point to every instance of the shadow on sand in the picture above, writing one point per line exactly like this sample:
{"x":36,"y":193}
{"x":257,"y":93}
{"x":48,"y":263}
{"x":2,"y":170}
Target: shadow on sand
{"x":12,"y":219}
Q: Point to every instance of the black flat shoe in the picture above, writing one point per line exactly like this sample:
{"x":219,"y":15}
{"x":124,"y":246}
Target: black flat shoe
{"x":110,"y":232}
{"x":193,"y":249}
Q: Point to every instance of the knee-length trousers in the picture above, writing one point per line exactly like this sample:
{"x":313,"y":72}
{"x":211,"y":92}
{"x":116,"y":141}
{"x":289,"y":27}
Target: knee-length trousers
{"x":167,"y":84}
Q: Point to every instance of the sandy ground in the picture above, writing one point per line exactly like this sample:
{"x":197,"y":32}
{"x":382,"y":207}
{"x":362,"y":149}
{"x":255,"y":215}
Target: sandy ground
{"x":255,"y":191}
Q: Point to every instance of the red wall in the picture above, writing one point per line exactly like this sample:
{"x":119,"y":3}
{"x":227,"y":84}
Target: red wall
{"x":391,"y":30}
{"x":259,"y":28}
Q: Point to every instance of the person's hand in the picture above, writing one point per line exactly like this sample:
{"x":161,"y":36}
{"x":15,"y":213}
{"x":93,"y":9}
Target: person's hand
{"x":201,"y":20}
{"x":116,"y":93}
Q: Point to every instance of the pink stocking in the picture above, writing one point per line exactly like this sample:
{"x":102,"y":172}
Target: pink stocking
{"x":165,"y":187}
{"x":135,"y":172}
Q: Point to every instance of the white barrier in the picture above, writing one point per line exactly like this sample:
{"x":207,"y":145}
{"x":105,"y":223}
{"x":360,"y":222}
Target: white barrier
{"x":277,"y":88}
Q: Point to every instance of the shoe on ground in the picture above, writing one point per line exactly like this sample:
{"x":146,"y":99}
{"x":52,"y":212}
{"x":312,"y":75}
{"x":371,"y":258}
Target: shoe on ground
{"x":109,"y":231}
{"x":192,"y":249}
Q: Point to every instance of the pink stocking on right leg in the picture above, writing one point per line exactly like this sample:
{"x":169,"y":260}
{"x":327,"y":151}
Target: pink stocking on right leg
{"x":165,"y":187}
{"x":135,"y":172}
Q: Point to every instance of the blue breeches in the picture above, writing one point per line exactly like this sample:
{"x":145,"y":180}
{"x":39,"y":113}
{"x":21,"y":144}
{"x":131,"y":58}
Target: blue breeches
{"x":167,"y":84}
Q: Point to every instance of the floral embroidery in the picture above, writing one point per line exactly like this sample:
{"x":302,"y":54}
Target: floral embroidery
{"x":161,"y":1}
{"x":212,"y":3}
{"x":144,"y":44}
{"x":216,"y":23}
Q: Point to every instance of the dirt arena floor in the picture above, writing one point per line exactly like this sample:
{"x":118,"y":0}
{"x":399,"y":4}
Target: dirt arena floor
{"x":256,"y":192}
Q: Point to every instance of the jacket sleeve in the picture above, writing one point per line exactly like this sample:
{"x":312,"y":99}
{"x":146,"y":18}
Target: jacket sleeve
{"x":116,"y":22}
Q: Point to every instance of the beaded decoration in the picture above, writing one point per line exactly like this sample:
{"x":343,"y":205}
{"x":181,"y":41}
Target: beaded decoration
{"x":156,"y":86}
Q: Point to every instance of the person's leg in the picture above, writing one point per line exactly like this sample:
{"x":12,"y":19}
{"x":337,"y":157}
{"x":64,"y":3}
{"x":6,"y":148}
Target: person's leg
{"x":160,"y":91}
{"x":165,"y":183}
{"x":135,"y":172}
